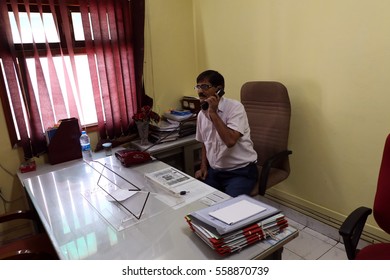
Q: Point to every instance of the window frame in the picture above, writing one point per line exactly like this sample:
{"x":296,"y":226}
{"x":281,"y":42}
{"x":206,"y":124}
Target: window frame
{"x":26,"y":51}
{"x":79,"y":46}
{"x":118,"y":86}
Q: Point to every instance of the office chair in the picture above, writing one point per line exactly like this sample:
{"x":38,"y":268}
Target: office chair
{"x":268,"y":108}
{"x":352,"y":227}
{"x":34,"y":247}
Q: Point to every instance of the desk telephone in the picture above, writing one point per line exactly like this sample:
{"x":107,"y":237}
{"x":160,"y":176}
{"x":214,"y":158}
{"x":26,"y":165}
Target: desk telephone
{"x":131,"y":157}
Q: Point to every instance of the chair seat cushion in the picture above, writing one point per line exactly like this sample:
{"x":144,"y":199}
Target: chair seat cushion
{"x":380,"y":251}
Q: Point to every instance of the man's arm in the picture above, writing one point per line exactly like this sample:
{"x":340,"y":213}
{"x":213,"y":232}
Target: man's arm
{"x":228,"y":135}
{"x":202,"y":172}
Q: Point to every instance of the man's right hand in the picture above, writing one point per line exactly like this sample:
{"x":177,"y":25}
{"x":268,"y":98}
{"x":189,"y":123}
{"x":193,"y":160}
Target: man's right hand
{"x":201,"y":174}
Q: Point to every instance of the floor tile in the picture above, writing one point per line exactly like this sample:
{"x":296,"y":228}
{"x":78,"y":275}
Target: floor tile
{"x":288,"y":255}
{"x":336,"y":253}
{"x":320,"y":236}
{"x":316,"y":240}
{"x":324,"y":229}
{"x":308,"y":246}
{"x":295,"y":224}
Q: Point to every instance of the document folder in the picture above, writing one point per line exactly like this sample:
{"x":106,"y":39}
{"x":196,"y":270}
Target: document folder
{"x":205,"y":216}
{"x":237,"y":240}
{"x":65,"y":144}
{"x":237,"y":212}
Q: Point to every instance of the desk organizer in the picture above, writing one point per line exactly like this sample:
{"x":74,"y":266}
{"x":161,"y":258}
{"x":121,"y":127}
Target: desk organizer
{"x":65,"y":144}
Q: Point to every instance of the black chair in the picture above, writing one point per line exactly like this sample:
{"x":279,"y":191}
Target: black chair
{"x":352,"y":228}
{"x":267,"y":105}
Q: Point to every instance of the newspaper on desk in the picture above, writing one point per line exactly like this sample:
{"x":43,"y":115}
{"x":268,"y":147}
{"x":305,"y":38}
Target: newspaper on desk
{"x":169,"y":179}
{"x":173,"y":184}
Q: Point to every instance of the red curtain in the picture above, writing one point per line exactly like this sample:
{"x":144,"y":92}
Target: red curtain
{"x":113,"y":32}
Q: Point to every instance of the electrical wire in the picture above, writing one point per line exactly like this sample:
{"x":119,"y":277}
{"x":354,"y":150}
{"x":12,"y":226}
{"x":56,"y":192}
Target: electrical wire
{"x":1,"y":194}
{"x":7,"y":171}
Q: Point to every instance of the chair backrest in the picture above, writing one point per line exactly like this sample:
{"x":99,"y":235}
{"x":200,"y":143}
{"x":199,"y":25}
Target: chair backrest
{"x":381,"y":207}
{"x":268,"y":108}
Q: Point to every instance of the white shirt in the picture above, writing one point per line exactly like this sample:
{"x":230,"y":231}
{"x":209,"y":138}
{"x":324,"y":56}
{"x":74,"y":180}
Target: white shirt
{"x":219,"y":156}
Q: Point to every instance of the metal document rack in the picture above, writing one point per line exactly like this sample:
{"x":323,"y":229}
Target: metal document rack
{"x":120,"y":202}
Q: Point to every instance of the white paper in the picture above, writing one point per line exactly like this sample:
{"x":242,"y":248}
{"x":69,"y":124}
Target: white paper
{"x":120,"y":195}
{"x":237,"y":212}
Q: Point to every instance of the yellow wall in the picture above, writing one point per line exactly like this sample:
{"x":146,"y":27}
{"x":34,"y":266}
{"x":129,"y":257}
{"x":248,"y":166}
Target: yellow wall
{"x":10,"y":159}
{"x":169,"y":52}
{"x":334,"y":58}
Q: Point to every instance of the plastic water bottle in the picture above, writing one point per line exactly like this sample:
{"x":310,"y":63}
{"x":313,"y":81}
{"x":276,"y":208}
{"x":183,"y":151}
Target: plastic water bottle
{"x":85,"y":146}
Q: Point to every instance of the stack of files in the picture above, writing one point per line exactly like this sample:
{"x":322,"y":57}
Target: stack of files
{"x":233,"y":224}
{"x":187,"y":127}
{"x":178,"y":115}
{"x":164,"y":131}
{"x":169,"y":130}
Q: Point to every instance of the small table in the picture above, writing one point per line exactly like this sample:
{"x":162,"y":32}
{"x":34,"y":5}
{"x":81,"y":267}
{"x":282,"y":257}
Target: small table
{"x":80,"y":228}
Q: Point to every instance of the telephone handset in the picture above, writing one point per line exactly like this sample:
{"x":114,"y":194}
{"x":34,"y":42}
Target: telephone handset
{"x":131,"y":157}
{"x":205,"y":105}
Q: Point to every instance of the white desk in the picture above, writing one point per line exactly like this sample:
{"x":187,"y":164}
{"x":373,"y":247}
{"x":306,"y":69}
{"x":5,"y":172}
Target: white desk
{"x":79,"y":231}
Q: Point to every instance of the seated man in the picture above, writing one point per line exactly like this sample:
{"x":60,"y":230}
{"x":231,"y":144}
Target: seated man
{"x":228,"y":158}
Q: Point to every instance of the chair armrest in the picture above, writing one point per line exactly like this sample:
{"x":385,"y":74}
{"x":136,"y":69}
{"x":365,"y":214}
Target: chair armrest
{"x":352,"y":229}
{"x":23,"y":215}
{"x":18,"y":255}
{"x":20,"y":214}
{"x":268,"y":164}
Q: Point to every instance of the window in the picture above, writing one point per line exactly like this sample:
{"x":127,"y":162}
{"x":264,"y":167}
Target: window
{"x":39,"y":29}
{"x":62,"y":59}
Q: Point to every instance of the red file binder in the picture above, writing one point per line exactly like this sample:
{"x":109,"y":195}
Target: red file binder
{"x":233,"y":242}
{"x":226,"y":231}
{"x":65,"y":144}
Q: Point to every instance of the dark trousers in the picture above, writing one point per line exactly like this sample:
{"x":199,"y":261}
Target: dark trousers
{"x":233,"y":182}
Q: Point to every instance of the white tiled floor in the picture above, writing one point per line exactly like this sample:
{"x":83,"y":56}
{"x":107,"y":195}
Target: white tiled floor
{"x":312,"y":245}
{"x":316,"y":241}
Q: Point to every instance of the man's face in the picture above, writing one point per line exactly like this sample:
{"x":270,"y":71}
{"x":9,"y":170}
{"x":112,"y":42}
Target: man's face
{"x":205,"y":90}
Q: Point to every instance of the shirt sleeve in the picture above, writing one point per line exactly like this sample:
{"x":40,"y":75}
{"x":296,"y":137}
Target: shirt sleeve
{"x":198,"y":134}
{"x":236,"y":118}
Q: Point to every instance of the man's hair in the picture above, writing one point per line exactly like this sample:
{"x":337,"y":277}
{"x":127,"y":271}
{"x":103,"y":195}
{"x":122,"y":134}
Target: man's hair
{"x":215,"y":78}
